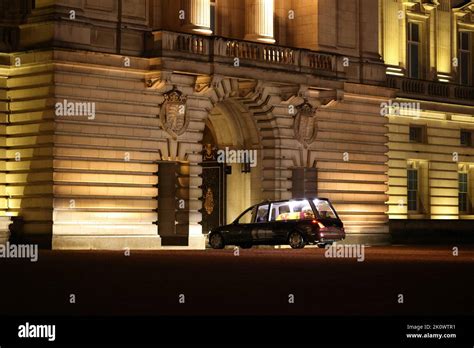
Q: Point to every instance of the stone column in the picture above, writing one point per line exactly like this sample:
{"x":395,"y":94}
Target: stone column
{"x":198,"y":16}
{"x":259,"y":20}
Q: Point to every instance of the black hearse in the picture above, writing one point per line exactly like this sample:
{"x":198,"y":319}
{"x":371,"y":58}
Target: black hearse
{"x":294,"y":222}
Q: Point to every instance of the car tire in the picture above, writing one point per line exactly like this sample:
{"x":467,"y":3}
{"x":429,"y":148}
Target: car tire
{"x":322,"y":245}
{"x":246,"y":246}
{"x":296,"y":240}
{"x":216,"y":241}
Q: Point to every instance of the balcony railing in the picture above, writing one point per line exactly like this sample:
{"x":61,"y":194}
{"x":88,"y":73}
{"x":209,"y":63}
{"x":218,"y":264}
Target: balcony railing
{"x":209,"y":48}
{"x":254,"y":51}
{"x":432,"y":90}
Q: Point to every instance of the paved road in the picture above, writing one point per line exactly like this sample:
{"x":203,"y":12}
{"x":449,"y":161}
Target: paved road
{"x":258,"y":281}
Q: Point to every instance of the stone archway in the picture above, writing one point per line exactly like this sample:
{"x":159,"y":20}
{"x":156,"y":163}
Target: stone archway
{"x":229,"y":185}
{"x":253,"y":118}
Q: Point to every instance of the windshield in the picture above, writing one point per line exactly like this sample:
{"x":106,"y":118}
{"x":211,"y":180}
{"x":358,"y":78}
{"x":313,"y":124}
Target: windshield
{"x":324,"y":209}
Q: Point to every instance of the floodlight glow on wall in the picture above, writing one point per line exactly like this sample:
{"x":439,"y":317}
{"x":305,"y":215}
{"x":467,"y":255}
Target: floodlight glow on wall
{"x":444,"y":78}
{"x":203,"y":31}
{"x":395,"y":71}
{"x":259,"y":21}
{"x":200,"y":16}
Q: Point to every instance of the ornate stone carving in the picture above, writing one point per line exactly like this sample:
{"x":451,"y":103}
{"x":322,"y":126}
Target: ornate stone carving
{"x":209,"y":153}
{"x":209,"y":202}
{"x":202,"y":82}
{"x":173,"y":115}
{"x":305,"y":126}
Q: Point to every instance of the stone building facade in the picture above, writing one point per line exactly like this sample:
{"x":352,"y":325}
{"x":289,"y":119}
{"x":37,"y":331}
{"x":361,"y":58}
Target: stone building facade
{"x":111,"y":114}
{"x":430,"y":151}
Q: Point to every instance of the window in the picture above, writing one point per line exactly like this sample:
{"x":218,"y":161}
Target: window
{"x":324,"y":209}
{"x":466,"y":137}
{"x":291,"y":210}
{"x":414,"y":49}
{"x":247,"y":216}
{"x":417,"y":134}
{"x":412,"y":187}
{"x":262,"y":213}
{"x":464,"y":54}
{"x":463,"y":193}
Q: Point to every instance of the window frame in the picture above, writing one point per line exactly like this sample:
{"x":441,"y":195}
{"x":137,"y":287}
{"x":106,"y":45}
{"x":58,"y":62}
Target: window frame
{"x":461,"y":53}
{"x":412,"y":43}
{"x":467,"y":131}
{"x":465,"y":193}
{"x":416,"y":190}
{"x":423,"y":134}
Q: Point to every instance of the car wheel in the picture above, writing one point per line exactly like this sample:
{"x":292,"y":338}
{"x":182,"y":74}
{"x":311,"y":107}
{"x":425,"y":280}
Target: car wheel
{"x":321,"y":245}
{"x":216,"y":241}
{"x":246,"y":246}
{"x":296,"y":240}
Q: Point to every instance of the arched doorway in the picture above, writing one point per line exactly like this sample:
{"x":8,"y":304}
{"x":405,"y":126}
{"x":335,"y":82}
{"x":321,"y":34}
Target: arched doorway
{"x":231,"y":178}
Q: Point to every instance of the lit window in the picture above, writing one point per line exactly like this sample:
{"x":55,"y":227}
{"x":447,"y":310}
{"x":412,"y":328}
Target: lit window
{"x":464,"y":44}
{"x":324,"y":209}
{"x":414,"y":50}
{"x":412,"y":189}
{"x":291,"y":210}
{"x":463,"y":193}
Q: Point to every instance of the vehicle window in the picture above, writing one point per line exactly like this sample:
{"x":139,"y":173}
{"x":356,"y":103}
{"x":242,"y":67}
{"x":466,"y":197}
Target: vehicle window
{"x":262,"y":213}
{"x":284,"y":209}
{"x":305,"y":210}
{"x":273,"y":214}
{"x":278,"y":210}
{"x":293,"y":210}
{"x":246,"y":218}
{"x":324,"y":209}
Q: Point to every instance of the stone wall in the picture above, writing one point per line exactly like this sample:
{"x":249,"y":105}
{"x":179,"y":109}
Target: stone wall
{"x":439,"y":158}
{"x":92,"y":180}
{"x":26,"y":112}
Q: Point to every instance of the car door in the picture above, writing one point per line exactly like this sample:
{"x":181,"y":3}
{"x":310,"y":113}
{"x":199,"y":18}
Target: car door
{"x":240,"y":231}
{"x":261,"y":229}
{"x":279,"y":224}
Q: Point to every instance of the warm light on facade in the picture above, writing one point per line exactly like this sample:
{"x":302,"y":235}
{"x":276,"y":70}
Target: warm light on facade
{"x":395,"y":71}
{"x":259,"y":22}
{"x":444,"y":78}
{"x":200,"y":16}
{"x":314,"y":118}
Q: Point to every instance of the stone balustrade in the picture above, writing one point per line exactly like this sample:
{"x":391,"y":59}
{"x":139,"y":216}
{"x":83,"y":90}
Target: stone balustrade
{"x":432,"y":90}
{"x":211,"y":47}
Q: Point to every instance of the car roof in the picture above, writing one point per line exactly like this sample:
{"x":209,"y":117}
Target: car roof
{"x":268,"y":201}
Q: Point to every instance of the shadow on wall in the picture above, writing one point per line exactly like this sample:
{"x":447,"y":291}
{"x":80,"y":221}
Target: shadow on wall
{"x":16,"y":231}
{"x":30,"y":181}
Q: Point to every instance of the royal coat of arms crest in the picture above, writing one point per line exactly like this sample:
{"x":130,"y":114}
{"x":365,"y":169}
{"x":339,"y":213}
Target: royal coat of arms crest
{"x":305,"y":126}
{"x":173,"y":115}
